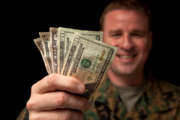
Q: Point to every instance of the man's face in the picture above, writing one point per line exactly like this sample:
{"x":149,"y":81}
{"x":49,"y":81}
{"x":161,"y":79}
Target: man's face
{"x":128,"y":30}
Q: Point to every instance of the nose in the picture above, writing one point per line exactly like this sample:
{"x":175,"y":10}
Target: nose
{"x":125,"y":42}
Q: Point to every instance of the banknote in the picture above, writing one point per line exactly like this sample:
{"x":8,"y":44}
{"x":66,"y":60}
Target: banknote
{"x":45,"y":36}
{"x":54,"y":48}
{"x":39,"y":44}
{"x":66,"y":36}
{"x":76,"y":53}
{"x":88,"y":61}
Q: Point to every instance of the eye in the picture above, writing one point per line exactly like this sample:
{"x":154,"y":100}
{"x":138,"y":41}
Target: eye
{"x":116,"y":35}
{"x":137,"y":35}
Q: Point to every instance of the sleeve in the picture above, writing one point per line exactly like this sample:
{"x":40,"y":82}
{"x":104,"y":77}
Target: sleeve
{"x":24,"y":115}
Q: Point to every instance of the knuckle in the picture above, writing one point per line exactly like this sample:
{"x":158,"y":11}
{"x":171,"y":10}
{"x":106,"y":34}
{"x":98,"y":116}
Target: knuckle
{"x":51,"y":80}
{"x":29,"y":105}
{"x":33,"y":87}
{"x":61,"y":99}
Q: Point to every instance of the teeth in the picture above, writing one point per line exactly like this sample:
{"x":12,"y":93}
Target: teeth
{"x":125,"y":56}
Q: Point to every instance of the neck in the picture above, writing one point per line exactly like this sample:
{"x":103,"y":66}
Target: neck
{"x":134,"y":79}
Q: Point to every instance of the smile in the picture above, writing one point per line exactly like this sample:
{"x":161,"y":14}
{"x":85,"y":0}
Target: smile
{"x":126,"y":58}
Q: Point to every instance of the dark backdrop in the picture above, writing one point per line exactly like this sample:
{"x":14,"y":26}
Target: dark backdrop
{"x":24,"y":21}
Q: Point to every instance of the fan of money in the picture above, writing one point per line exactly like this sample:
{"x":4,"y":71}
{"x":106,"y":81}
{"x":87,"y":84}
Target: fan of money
{"x":77,"y":53}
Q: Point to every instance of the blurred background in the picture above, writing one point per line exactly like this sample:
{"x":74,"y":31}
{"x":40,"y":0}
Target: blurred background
{"x":23,"y":22}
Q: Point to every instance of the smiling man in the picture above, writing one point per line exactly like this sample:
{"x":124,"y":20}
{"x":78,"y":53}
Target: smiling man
{"x":130,"y":94}
{"x":127,"y":94}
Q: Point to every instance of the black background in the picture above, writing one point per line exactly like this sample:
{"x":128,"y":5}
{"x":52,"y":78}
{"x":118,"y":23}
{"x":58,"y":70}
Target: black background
{"x":22,"y":60}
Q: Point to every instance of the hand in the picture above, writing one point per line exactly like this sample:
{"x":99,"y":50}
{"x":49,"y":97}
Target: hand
{"x":56,"y":97}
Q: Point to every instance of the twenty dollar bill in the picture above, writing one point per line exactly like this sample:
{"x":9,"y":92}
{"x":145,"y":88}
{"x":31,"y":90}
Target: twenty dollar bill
{"x":88,"y":61}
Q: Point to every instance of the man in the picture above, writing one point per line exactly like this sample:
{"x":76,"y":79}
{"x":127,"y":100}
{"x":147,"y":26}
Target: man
{"x":127,"y":94}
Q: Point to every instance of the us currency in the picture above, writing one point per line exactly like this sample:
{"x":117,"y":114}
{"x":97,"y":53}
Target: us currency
{"x":88,"y":60}
{"x":66,"y":36}
{"x":45,"y":36}
{"x":39,"y":44}
{"x":54,"y":48}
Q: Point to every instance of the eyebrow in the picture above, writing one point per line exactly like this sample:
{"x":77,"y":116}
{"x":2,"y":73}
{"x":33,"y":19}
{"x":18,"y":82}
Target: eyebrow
{"x":115,"y":31}
{"x":133,"y":31}
{"x":139,"y":31}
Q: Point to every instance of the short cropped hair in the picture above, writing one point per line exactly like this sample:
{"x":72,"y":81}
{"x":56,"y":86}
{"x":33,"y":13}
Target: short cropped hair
{"x":137,"y":5}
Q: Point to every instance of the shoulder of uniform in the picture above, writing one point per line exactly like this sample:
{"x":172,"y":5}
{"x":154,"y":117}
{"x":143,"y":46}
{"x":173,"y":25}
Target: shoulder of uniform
{"x":167,"y":87}
{"x":169,"y":90}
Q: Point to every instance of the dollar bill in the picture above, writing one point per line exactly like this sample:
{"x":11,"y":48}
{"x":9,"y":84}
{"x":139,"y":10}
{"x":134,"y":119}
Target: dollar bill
{"x":62,"y":35}
{"x":66,"y":36}
{"x":45,"y":36}
{"x":54,"y":48}
{"x":77,"y":53}
{"x":39,"y":44}
{"x":88,"y":61}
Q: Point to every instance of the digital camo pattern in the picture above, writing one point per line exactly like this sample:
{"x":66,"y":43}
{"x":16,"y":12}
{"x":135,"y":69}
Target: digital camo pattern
{"x":88,"y":61}
{"x":160,"y":101}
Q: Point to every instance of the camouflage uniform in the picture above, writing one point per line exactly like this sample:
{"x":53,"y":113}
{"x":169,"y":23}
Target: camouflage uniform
{"x":160,"y":101}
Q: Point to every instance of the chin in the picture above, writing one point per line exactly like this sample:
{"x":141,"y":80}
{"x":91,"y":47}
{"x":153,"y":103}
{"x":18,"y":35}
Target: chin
{"x":123,"y":70}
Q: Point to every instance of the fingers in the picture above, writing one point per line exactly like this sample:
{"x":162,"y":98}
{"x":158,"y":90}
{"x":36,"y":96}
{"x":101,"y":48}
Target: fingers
{"x":56,"y":82}
{"x":57,"y":100}
{"x":56,"y":115}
